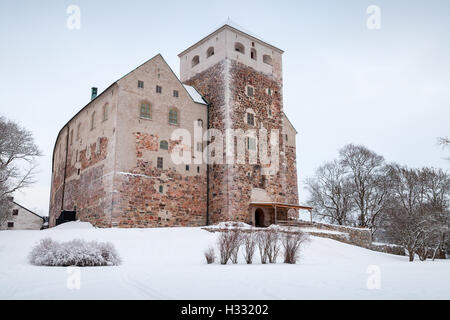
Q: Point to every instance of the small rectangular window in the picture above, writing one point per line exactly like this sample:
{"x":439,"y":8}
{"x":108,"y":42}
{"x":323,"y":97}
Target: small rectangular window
{"x":199,"y":146}
{"x":286,"y":137}
{"x":158,"y":89}
{"x":15,"y":212}
{"x":140,"y":84}
{"x":160,"y":163}
{"x":145,"y":110}
{"x":198,"y":169}
{"x":10,"y":224}
{"x":187,"y":167}
{"x":250,"y":91}
{"x":250,"y":119}
{"x":251,"y":143}
{"x":161,"y":189}
{"x":175,"y":93}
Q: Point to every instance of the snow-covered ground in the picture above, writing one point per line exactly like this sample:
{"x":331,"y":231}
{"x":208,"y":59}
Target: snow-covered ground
{"x":168,"y":263}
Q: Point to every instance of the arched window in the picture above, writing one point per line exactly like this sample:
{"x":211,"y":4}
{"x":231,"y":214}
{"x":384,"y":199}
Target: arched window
{"x":210,"y":52}
{"x":267,"y":59}
{"x":164,"y":145}
{"x":105,"y":112}
{"x":173,"y":116}
{"x":239,"y":47}
{"x":93,"y":120}
{"x":195,"y":61}
{"x":253,"y":53}
{"x":145,"y":110}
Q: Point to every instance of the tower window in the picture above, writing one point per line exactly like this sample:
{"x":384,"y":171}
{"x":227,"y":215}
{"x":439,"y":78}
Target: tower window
{"x":173,"y":116}
{"x":199,"y":146}
{"x":158,"y":89}
{"x":200,"y":123}
{"x":250,"y":119}
{"x":159,"y":163}
{"x":195,"y":61}
{"x":140,"y":84}
{"x":145,"y":110}
{"x":15,"y":212}
{"x":239,"y":47}
{"x":175,"y":93}
{"x":161,"y":189}
{"x":187,"y":167}
{"x":210,"y":52}
{"x":164,"y":145}
{"x":269,"y":111}
{"x":198,"y":169}
{"x":253,"y":54}
{"x":250,"y":91}
{"x":10,"y":224}
{"x":267,"y":59}
{"x":269,"y":91}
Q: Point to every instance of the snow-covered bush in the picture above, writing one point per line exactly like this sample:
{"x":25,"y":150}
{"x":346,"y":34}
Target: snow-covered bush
{"x":76,"y":252}
{"x":210,"y":256}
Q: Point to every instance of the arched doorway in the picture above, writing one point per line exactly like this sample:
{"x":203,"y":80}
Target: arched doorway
{"x":259,"y":218}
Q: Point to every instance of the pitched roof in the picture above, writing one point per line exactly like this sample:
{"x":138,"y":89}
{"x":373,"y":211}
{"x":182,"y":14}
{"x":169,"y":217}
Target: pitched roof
{"x":191,"y":92}
{"x":234,"y":26}
{"x":27,"y":210}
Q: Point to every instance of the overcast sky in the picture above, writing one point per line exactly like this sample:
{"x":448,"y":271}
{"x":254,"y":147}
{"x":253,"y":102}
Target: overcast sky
{"x":388,"y":89}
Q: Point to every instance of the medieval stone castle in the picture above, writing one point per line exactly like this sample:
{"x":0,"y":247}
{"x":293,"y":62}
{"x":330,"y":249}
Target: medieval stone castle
{"x":112,"y":161}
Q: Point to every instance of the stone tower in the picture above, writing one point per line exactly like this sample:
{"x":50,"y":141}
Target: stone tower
{"x":241,"y":77}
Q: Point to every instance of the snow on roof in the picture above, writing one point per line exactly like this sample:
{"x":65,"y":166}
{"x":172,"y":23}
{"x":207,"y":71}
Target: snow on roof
{"x":197,"y":97}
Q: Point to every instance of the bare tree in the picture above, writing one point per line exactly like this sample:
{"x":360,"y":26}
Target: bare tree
{"x":406,"y":218}
{"x":18,"y":154}
{"x":330,"y":193}
{"x":370,"y":187}
{"x":445,"y":143}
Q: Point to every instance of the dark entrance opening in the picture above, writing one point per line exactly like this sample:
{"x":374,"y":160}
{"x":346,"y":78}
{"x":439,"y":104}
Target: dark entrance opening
{"x":259,"y":218}
{"x":66,"y":216}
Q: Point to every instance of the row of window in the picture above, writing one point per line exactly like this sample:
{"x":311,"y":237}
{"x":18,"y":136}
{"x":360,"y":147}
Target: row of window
{"x":160,"y":164}
{"x":238,"y":47}
{"x":145,"y":113}
{"x":250,"y":91}
{"x":158,"y":89}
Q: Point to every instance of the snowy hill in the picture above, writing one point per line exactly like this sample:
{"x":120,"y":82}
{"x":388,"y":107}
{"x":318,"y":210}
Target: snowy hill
{"x":168,"y":263}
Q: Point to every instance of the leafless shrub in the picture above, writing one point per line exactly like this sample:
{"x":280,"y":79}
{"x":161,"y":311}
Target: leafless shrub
{"x":229,"y":242}
{"x":249,"y":241}
{"x":268,"y":245}
{"x":292,"y":241}
{"x":273,"y":237}
{"x":210,"y":256}
{"x":74,"y":253}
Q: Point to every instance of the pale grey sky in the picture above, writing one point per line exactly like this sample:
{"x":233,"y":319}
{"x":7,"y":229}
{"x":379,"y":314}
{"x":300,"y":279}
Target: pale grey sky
{"x":387,"y":89}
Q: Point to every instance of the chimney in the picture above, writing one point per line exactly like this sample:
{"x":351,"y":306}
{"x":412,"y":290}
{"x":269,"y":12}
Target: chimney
{"x":93,"y":93}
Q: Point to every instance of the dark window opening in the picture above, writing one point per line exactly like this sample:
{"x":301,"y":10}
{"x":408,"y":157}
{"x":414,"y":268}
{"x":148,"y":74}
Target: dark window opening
{"x":250,"y":119}
{"x":15,"y":212}
{"x":140,"y":84}
{"x":175,"y":93}
{"x":161,"y":189}
{"x":160,"y":163}
{"x":158,"y":89}
{"x":187,"y":167}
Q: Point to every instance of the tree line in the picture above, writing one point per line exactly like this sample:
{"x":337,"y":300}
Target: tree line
{"x":409,"y":207}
